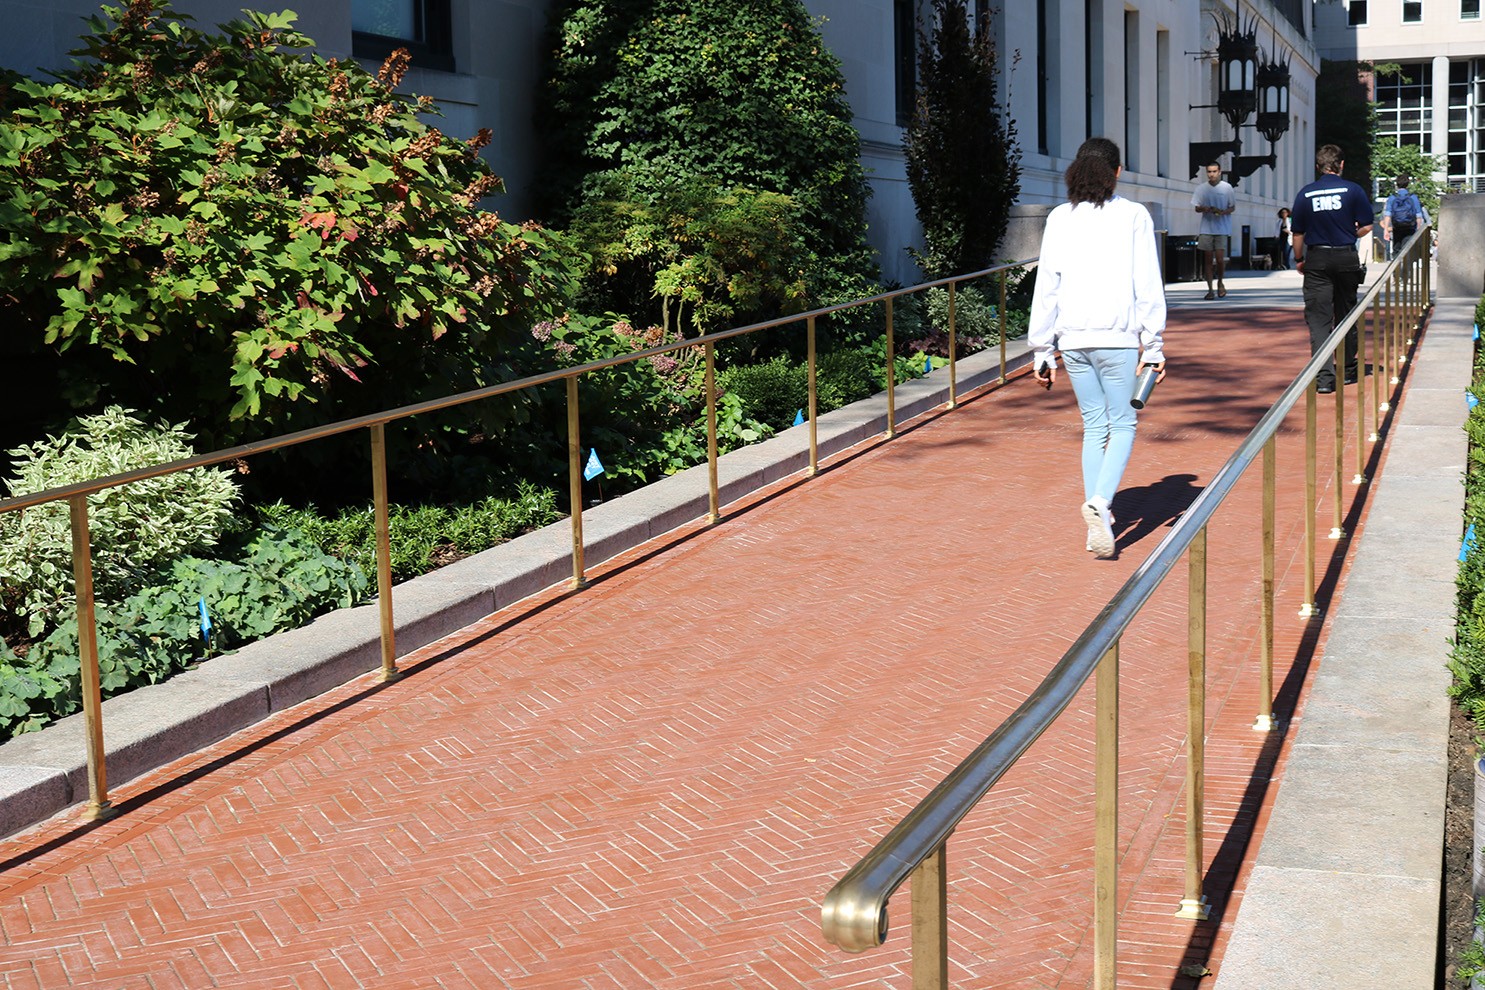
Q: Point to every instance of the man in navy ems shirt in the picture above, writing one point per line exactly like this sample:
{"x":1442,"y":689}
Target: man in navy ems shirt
{"x":1329,"y":215}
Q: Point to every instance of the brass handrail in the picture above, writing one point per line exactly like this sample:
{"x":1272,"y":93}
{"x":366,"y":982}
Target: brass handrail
{"x":854,"y":912}
{"x":75,"y":494}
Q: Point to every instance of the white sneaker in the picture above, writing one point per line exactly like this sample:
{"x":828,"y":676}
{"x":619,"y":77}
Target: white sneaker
{"x":1100,"y":528}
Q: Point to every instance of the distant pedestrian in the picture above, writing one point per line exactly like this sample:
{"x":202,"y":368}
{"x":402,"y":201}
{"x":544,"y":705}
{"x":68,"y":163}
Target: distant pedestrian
{"x":1283,"y":250}
{"x":1215,"y":201}
{"x":1329,"y":215}
{"x":1100,"y":300}
{"x":1401,"y":213}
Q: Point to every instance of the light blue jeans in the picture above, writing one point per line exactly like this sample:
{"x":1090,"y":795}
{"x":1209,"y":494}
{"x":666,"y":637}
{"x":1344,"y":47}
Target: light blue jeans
{"x":1103,"y":379}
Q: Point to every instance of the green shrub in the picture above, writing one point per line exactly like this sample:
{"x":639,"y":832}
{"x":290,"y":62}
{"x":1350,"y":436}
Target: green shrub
{"x":963,"y":162}
{"x":421,"y":537}
{"x":775,"y":391}
{"x":281,"y":581}
{"x":742,"y":94}
{"x":135,"y":530}
{"x":1467,"y":659}
{"x":771,"y":392}
{"x":844,"y":377}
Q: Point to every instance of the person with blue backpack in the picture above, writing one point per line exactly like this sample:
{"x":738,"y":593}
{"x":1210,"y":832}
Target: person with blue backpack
{"x":1400,"y":215}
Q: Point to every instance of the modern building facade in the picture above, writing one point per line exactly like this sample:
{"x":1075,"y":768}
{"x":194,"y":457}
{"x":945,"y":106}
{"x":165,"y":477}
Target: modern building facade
{"x":1143,"y":72}
{"x":1435,"y":99}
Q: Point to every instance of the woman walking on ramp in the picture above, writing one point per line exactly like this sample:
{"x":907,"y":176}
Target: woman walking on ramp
{"x":1100,"y":301}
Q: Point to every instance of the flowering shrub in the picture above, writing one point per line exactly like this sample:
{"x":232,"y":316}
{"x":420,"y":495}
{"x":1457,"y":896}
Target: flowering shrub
{"x":222,"y":227}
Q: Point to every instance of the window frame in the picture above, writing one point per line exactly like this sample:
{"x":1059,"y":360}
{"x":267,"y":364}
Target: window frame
{"x":1415,"y":3}
{"x":432,"y":51}
{"x":1352,"y":21}
{"x":1465,"y":15}
{"x":905,"y":59}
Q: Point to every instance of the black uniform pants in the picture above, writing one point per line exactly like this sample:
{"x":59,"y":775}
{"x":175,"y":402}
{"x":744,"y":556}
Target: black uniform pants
{"x":1332,"y":277}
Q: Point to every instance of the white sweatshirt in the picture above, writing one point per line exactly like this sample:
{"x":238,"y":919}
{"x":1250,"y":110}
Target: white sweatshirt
{"x":1098,"y":283}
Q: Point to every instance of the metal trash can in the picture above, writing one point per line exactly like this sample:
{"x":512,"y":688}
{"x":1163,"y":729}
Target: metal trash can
{"x":1182,"y":261}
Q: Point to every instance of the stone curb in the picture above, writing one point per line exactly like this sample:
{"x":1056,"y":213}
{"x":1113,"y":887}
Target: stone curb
{"x":1348,"y":881}
{"x":44,"y":772}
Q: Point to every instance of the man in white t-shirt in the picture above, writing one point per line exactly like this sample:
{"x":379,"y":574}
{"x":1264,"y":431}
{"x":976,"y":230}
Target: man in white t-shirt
{"x":1215,"y":201}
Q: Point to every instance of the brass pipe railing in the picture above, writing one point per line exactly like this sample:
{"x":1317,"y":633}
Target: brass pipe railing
{"x":953,"y":353}
{"x":1194,"y":904}
{"x":376,"y":423}
{"x":382,"y":517}
{"x":891,"y":376}
{"x":854,"y":913}
{"x":1264,"y":721}
{"x":87,"y":652}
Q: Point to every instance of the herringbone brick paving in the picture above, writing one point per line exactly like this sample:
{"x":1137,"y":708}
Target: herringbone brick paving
{"x":654,"y":781}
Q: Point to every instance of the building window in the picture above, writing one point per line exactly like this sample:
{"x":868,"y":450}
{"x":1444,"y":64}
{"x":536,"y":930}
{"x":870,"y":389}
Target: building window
{"x":421,"y":26}
{"x":1043,"y":79}
{"x":905,"y":40}
{"x":1412,"y":11}
{"x":1405,"y":106}
{"x":1469,"y":10}
{"x":1356,"y":13}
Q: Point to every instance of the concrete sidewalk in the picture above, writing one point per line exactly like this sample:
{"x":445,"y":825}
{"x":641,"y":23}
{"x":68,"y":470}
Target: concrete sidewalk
{"x":653,"y":782}
{"x":1347,"y":885}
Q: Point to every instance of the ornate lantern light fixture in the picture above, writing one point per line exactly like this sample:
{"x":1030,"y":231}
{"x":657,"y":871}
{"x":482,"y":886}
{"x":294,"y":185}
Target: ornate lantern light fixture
{"x":1237,"y":73}
{"x":1273,"y":100}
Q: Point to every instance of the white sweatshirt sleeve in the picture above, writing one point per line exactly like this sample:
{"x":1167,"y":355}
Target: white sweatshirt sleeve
{"x":1040,"y":333}
{"x":1149,"y":290}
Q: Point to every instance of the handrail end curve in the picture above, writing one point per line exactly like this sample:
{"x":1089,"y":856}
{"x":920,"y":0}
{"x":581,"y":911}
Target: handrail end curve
{"x":851,"y":922}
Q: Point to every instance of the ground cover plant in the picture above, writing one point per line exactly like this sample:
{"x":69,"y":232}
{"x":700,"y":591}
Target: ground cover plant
{"x":1467,"y":661}
{"x":1467,"y":664}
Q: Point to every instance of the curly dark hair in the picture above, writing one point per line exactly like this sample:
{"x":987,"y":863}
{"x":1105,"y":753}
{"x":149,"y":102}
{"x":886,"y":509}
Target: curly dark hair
{"x":1094,"y":172}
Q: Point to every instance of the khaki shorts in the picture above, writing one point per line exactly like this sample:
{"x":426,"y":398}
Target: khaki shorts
{"x":1211,"y":242}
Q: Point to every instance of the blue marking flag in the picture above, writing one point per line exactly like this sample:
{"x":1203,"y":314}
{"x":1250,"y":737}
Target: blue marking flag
{"x":205,"y":619}
{"x":927,"y":365}
{"x":1477,"y":331}
{"x":799,"y":417}
{"x":594,"y":467}
{"x":1468,"y":544}
{"x":1470,"y":401}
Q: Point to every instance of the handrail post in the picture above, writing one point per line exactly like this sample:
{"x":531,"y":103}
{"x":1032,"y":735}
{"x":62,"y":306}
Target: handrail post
{"x":714,"y":502}
{"x":1394,"y":285}
{"x":891,"y":377}
{"x":1360,"y":476}
{"x":1265,"y":720}
{"x":1428,"y":269}
{"x":575,"y":481}
{"x":1311,"y":397}
{"x":930,"y":921}
{"x":1377,"y":404}
{"x":381,"y":510}
{"x":1415,"y":311}
{"x":809,"y":336}
{"x":1336,"y":531}
{"x":1106,"y":822}
{"x":1003,"y":327}
{"x":953,"y":352}
{"x":98,"y":806}
{"x":1194,"y":904}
